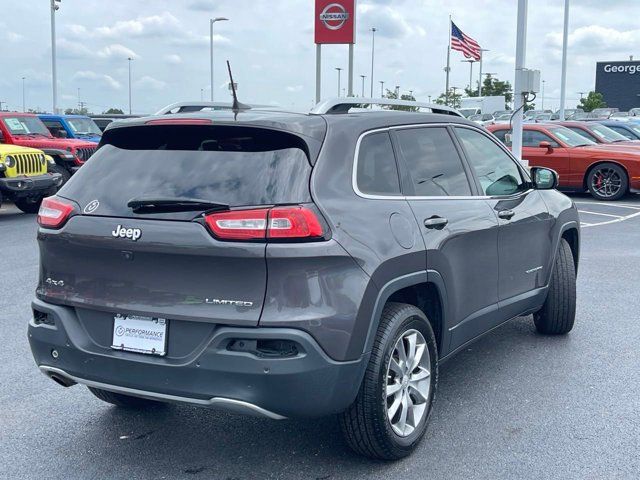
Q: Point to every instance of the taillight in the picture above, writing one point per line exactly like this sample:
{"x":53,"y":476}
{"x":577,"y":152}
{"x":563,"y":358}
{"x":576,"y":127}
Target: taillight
{"x":239,"y":224}
{"x":53,"y":212}
{"x":294,"y":222}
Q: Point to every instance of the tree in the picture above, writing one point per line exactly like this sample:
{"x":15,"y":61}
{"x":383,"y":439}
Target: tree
{"x":76,"y":111}
{"x":113,"y":111}
{"x":405,"y":96}
{"x":454,"y":98}
{"x":492,"y":86}
{"x":592,"y":101}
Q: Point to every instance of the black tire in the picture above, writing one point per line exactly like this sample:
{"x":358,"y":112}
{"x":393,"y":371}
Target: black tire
{"x":55,"y":168}
{"x":365,"y":425}
{"x":121,"y":400}
{"x":558,"y":313}
{"x":599,"y":174}
{"x":29,"y":204}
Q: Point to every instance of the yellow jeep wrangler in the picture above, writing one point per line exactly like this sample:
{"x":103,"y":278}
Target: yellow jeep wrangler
{"x":25,"y":178}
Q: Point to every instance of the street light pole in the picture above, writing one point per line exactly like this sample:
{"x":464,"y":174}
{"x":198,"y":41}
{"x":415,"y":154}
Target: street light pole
{"x":363,"y":77}
{"x":381,"y":88}
{"x":543,"y":82}
{"x":471,"y":61}
{"x":482,"y":50}
{"x":23,"y":102}
{"x":54,"y":74}
{"x":373,"y":48}
{"x":339,"y":70}
{"x":129,"y":59}
{"x":563,"y":78}
{"x":211,"y":22}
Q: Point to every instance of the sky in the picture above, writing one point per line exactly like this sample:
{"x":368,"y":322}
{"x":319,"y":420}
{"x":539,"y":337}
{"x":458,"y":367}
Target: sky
{"x":270,"y":46}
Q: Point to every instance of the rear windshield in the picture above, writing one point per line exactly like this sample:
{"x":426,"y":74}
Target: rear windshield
{"x":237,"y":166}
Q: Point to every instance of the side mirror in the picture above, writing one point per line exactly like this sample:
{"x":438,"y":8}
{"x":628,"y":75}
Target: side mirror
{"x":546,"y":145}
{"x":544,"y":178}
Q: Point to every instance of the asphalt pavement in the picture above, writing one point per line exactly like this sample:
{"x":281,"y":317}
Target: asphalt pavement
{"x":514,"y":405}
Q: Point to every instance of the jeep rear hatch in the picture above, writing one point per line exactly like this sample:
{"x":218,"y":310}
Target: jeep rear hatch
{"x":172,"y":221}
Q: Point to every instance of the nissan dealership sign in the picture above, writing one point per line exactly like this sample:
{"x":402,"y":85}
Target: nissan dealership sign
{"x":335,"y":21}
{"x":619,"y":83}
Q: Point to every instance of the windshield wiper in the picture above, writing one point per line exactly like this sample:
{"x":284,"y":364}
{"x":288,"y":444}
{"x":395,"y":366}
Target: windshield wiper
{"x":173,"y":204}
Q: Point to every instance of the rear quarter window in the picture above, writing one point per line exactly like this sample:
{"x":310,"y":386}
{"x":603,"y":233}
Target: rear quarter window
{"x":377,"y":172}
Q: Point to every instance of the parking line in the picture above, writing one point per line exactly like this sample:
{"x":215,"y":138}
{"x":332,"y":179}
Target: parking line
{"x":621,"y":205}
{"x":608,"y":222}
{"x":603,"y":214}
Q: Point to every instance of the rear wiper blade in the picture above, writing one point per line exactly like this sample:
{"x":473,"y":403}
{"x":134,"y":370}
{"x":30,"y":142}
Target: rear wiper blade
{"x":173,"y":204}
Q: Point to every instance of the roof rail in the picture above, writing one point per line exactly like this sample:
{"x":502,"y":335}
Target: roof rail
{"x":186,"y":107}
{"x":343,"y":105}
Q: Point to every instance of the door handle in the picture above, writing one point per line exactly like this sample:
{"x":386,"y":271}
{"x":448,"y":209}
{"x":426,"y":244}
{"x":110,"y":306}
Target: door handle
{"x":506,"y":214}
{"x":435,"y":222}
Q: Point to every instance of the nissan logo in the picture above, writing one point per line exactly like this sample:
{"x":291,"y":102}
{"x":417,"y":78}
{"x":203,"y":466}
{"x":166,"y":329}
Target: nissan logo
{"x":334,"y":16}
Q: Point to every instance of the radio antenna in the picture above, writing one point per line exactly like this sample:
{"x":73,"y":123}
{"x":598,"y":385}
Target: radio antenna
{"x":237,"y":106}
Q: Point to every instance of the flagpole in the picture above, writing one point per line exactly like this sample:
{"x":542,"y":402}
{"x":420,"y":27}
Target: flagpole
{"x":447,"y":69}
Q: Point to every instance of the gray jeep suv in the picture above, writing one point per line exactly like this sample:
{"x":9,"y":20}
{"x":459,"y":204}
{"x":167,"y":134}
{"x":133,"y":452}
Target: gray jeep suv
{"x":293,"y":265}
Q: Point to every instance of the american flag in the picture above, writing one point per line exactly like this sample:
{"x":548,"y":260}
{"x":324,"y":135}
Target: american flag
{"x":464,"y":43}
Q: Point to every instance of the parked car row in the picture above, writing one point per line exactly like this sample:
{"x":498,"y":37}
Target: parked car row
{"x":39,"y":153}
{"x":586,"y":155}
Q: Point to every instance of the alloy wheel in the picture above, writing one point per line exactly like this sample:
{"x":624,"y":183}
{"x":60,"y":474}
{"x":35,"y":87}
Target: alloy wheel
{"x":606,"y":182}
{"x":408,"y":383}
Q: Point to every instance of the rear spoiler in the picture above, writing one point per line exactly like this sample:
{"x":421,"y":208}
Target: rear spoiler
{"x":343,"y":105}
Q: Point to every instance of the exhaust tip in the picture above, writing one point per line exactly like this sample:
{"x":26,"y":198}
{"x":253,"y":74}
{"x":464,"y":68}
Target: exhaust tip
{"x":61,"y":380}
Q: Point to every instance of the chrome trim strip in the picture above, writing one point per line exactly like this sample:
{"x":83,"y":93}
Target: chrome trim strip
{"x":226,"y":403}
{"x":326,"y":106}
{"x":354,"y":172}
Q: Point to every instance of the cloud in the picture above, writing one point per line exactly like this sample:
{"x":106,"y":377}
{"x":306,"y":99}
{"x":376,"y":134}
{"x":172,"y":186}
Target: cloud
{"x":595,"y":38}
{"x":117,"y":51}
{"x":388,"y":21}
{"x":68,"y":49}
{"x":105,"y":80}
{"x":13,"y":37}
{"x":295,"y":88}
{"x":148,"y":82}
{"x":173,"y":59}
{"x":190,"y":39}
{"x":151,"y":26}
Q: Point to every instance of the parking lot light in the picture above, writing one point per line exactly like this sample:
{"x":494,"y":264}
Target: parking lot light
{"x":54,"y":76}
{"x":211,"y":22}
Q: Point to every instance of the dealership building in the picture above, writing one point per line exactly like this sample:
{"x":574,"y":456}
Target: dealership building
{"x":619,"y":83}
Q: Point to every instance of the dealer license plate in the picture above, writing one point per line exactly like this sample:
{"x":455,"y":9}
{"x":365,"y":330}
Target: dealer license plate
{"x":134,"y":333}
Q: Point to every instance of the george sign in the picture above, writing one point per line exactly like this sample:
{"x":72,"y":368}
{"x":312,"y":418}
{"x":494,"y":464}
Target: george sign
{"x":619,"y":83}
{"x":335,"y":21}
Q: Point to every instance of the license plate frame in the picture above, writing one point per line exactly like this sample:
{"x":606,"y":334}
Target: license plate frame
{"x":140,"y":334}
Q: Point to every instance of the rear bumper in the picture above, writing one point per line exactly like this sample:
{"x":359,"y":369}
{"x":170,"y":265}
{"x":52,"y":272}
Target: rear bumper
{"x":306,"y":385}
{"x":26,"y":186}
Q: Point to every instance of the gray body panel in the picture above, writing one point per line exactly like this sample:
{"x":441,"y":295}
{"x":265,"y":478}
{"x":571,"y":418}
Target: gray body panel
{"x":327,"y":295}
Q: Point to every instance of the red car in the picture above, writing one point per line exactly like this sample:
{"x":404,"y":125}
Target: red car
{"x":600,"y":134}
{"x":27,"y":130}
{"x":607,"y":171}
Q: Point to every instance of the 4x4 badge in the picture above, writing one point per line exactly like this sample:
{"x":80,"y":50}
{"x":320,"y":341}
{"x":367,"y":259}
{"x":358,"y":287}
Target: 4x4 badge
{"x":92,"y":206}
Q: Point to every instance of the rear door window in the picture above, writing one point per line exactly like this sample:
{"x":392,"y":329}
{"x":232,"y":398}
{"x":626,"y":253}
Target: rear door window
{"x":433,"y":162}
{"x":237,"y":166}
{"x":377,"y":172}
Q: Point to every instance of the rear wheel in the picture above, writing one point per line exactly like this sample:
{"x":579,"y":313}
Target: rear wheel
{"x":121,"y":400}
{"x":29,"y":204}
{"x":558,"y":313}
{"x":55,"y":168}
{"x":389,"y":416}
{"x":607,"y":181}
